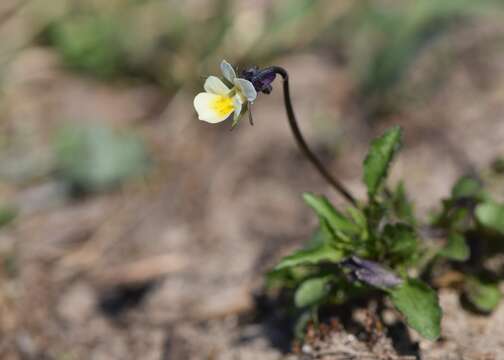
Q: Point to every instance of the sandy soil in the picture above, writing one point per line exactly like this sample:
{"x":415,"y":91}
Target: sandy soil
{"x":171,"y":267}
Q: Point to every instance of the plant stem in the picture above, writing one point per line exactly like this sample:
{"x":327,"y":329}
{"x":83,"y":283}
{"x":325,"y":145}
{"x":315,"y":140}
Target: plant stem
{"x":426,"y":259}
{"x":301,"y":143}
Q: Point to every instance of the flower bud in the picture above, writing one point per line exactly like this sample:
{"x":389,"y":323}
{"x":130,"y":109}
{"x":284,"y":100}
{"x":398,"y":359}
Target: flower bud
{"x":260,"y":78}
{"x":371,"y":273}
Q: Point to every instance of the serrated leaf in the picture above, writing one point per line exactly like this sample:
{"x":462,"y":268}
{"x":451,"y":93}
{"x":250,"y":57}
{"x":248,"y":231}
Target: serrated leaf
{"x":483,"y":294}
{"x":456,"y":248}
{"x":312,"y":291}
{"x":420,"y":307}
{"x":401,"y":240}
{"x":491,"y":215}
{"x":379,"y":157}
{"x":326,"y":211}
{"x":313,"y":256}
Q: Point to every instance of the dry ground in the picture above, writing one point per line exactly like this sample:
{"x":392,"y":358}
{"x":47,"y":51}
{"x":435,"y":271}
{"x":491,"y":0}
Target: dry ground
{"x":171,"y":267}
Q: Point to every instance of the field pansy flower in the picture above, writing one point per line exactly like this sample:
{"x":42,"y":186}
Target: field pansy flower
{"x":221,"y":99}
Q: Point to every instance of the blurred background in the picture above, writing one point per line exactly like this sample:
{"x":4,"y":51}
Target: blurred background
{"x":131,"y":230}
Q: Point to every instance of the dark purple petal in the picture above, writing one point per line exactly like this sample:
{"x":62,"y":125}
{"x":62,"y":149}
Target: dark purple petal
{"x":260,"y":78}
{"x":371,"y":273}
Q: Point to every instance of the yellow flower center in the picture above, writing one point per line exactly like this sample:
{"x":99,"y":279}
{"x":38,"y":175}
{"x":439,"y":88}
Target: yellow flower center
{"x":222,"y":105}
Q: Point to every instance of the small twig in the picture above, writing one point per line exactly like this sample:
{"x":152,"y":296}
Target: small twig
{"x":345,"y":355}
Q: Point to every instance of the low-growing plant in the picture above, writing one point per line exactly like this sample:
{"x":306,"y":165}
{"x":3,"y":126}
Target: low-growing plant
{"x":472,"y":222}
{"x":377,"y":245}
{"x":96,"y":158}
{"x":164,"y":41}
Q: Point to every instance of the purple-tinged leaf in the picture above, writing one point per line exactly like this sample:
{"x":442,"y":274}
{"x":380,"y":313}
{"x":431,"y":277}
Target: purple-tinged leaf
{"x":371,"y":273}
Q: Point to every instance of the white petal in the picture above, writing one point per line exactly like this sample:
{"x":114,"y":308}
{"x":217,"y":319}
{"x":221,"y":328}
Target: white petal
{"x":228,"y":71}
{"x":214,"y":85}
{"x":206,"y":112}
{"x":238,"y":108}
{"x":246,"y":88}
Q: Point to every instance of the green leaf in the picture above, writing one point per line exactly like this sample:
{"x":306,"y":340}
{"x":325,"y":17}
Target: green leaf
{"x":313,"y":256}
{"x":379,"y":157}
{"x":484,"y":295}
{"x":358,"y":217}
{"x":312,"y":291}
{"x":466,"y":187}
{"x":401,"y":240}
{"x":402,"y":206}
{"x":319,"y":238}
{"x":419,"y":304}
{"x":498,"y":165}
{"x":456,"y":248}
{"x":453,"y":217}
{"x":326,"y":211}
{"x":491,"y":215}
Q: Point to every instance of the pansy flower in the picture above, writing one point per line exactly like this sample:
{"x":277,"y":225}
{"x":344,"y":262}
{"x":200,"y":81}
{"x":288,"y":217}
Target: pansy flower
{"x":223,"y":98}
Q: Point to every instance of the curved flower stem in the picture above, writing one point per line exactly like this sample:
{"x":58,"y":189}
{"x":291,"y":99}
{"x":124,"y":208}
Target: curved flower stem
{"x":301,"y":143}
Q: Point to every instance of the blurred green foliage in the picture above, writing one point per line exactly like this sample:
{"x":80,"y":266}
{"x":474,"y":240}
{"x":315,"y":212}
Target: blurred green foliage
{"x":96,"y":158}
{"x":382,"y":40}
{"x":91,"y":43}
{"x":173,"y":43}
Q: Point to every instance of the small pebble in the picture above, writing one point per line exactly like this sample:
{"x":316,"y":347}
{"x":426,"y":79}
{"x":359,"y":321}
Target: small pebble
{"x":307,"y":349}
